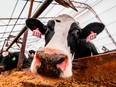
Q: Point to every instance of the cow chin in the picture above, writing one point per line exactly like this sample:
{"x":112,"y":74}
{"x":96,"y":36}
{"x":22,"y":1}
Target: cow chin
{"x":52,"y":65}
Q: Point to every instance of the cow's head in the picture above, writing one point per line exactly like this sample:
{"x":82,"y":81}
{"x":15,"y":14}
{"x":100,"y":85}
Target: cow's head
{"x":61,"y":35}
{"x":7,"y":61}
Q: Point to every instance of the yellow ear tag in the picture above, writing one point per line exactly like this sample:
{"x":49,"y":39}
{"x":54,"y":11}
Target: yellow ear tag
{"x":14,"y":58}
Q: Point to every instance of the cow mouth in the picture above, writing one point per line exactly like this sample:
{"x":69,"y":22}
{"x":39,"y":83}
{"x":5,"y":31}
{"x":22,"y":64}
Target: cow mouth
{"x":49,"y":72}
{"x":51,"y":65}
{"x":2,"y":68}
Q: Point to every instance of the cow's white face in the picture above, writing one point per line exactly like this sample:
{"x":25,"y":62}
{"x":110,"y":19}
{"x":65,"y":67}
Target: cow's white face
{"x":58,"y":48}
{"x":62,"y":36}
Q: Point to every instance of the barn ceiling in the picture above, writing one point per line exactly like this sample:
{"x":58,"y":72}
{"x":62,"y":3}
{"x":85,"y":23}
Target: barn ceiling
{"x":15,"y":12}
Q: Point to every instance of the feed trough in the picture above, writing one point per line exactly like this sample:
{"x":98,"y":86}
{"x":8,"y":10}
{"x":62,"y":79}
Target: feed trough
{"x":94,"y":71}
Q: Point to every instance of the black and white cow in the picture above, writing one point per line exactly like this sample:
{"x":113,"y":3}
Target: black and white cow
{"x":9,"y":60}
{"x":63,"y":39}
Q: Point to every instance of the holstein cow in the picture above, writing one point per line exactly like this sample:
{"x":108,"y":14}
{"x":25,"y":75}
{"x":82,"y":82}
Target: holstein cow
{"x":62,"y":36}
{"x":9,"y":60}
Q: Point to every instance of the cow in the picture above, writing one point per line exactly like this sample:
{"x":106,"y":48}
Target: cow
{"x":9,"y":60}
{"x":62,"y":38}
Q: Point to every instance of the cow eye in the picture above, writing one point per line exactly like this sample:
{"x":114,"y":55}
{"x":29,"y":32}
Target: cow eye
{"x":14,"y":58}
{"x":76,"y":33}
{"x":47,"y":31}
{"x":58,"y":21}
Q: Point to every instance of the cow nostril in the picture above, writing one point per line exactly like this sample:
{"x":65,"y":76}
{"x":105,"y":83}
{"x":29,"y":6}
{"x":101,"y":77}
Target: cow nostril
{"x":60,"y":60}
{"x":62,"y":63}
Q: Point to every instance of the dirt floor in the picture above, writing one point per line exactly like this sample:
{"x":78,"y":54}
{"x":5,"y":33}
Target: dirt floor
{"x":27,"y":79}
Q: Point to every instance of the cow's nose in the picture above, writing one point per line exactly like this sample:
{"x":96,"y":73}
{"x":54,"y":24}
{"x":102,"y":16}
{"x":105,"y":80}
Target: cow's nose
{"x":52,"y":58}
{"x":51,"y":63}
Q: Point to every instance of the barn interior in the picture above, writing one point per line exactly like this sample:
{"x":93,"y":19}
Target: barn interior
{"x":94,"y":71}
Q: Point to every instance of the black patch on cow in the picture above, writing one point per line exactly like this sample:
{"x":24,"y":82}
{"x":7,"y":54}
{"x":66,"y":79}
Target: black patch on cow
{"x":84,"y":49}
{"x":49,"y":31}
{"x":73,"y":36}
{"x":78,"y":45}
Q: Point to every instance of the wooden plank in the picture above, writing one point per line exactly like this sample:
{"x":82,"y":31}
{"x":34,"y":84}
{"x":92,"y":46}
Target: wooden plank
{"x":100,"y":69}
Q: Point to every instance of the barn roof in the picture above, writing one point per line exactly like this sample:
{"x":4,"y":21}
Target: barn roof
{"x":15,"y":12}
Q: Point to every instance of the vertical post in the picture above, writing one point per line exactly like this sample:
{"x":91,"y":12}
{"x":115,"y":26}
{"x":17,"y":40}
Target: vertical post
{"x":21,"y":55}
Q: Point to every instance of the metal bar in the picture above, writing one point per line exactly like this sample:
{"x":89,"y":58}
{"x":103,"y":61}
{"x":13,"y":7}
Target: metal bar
{"x":45,"y":4}
{"x":11,"y":18}
{"x":21,"y":55}
{"x":22,"y":18}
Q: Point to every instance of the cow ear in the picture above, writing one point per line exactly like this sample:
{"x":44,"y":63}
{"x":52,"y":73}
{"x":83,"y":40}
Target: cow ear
{"x":33,"y":23}
{"x":96,"y":27}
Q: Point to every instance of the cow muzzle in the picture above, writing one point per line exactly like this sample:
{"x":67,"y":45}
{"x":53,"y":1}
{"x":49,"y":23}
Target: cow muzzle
{"x":52,"y":62}
{"x":2,"y":68}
